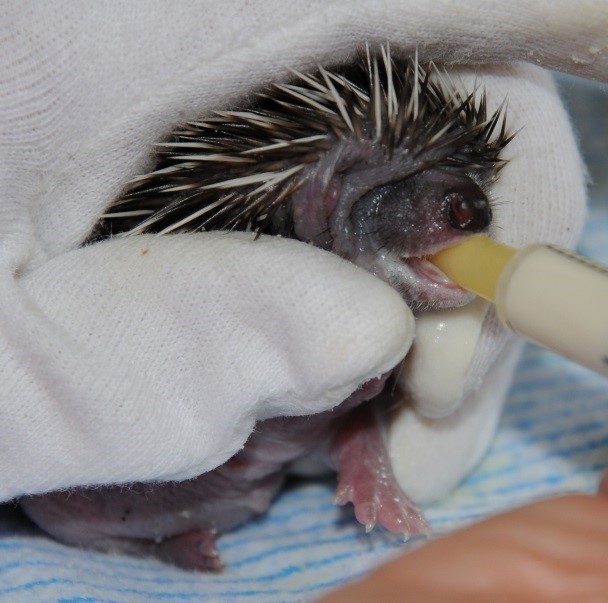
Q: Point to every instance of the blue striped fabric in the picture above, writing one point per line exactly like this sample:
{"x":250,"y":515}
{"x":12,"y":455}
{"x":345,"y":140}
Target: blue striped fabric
{"x":553,"y":438}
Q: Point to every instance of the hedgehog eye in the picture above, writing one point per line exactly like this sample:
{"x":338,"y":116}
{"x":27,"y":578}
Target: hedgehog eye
{"x":470,"y":213}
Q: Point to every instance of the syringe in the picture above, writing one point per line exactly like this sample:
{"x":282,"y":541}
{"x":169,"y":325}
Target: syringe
{"x":548,"y":295}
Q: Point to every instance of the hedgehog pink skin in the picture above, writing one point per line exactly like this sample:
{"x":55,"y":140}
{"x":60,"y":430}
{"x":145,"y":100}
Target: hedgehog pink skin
{"x":376,"y":162}
{"x":177,"y":522}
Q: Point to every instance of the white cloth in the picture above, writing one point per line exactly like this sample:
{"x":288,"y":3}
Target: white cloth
{"x":119,"y":363}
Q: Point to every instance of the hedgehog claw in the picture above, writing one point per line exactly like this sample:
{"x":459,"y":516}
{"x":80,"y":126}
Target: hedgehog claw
{"x":343,"y":495}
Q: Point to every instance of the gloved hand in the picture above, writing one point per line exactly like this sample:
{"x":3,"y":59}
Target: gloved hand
{"x":132,"y":360}
{"x":152,"y":358}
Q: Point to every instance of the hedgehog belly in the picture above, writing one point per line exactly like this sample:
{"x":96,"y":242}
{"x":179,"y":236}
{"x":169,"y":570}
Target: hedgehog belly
{"x":177,"y":521}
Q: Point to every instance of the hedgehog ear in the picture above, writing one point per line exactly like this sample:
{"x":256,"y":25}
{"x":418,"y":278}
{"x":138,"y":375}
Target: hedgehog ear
{"x":312,"y":206}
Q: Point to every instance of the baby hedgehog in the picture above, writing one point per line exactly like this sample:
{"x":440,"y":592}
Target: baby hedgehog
{"x":383,"y":161}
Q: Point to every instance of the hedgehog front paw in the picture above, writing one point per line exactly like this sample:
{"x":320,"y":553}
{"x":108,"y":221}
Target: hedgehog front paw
{"x":377,"y":498}
{"x":365,"y":477}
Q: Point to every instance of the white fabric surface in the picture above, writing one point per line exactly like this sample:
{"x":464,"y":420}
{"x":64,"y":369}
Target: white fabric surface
{"x":96,"y":342}
{"x":155,"y":356}
{"x":86,"y":91}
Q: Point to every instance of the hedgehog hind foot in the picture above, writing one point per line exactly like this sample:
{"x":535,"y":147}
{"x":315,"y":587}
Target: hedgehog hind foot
{"x":194,"y":550}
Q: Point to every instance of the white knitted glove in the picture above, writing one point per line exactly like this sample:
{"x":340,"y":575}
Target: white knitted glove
{"x":152,"y":358}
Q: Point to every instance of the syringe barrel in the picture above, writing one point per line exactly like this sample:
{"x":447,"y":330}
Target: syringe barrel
{"x":559,"y":300}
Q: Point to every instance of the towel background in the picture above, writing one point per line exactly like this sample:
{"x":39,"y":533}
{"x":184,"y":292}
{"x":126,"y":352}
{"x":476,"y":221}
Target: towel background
{"x":552,"y":438}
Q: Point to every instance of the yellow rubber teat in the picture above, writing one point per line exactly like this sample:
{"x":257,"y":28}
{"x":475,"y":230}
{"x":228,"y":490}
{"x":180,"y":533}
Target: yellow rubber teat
{"x":475,"y":264}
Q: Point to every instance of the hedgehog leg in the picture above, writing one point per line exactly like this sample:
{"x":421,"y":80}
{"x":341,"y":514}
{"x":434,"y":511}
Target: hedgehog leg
{"x":194,"y":550}
{"x":365,"y":477}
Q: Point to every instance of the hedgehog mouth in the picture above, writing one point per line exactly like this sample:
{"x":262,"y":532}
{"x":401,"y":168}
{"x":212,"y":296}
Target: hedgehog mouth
{"x":421,"y":284}
{"x":425,"y":287}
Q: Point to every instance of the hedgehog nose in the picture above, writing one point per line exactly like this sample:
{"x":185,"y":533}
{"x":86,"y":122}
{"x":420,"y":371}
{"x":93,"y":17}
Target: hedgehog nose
{"x":470,"y":213}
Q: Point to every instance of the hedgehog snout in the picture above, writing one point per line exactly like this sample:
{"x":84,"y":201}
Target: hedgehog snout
{"x":394,"y":226}
{"x":416,"y":215}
